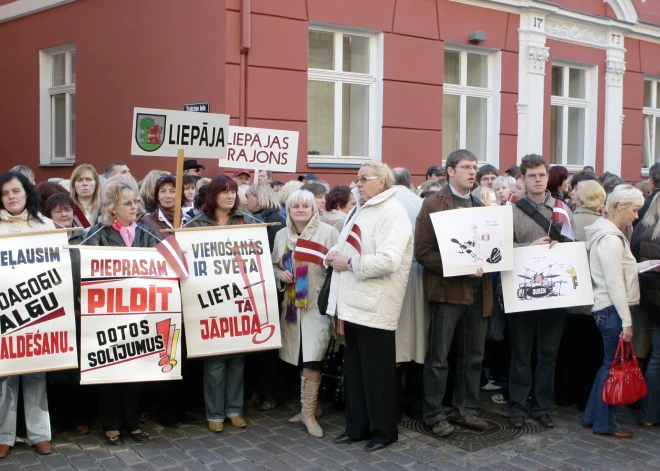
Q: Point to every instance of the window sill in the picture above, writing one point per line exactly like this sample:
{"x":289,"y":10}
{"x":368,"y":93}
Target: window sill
{"x":57,"y":164}
{"x":318,"y":161}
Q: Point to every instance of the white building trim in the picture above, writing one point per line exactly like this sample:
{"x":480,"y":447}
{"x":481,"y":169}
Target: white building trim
{"x":20,"y":8}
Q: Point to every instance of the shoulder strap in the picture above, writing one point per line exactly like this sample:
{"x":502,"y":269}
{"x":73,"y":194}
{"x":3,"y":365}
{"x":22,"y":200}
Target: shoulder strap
{"x":528,"y":208}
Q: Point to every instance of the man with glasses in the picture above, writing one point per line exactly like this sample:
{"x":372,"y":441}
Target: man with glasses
{"x":531,"y":226}
{"x":458,"y":306}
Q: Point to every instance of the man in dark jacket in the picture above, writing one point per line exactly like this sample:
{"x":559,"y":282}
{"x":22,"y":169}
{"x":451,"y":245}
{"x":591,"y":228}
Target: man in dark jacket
{"x":460,"y":303}
{"x":654,"y":179}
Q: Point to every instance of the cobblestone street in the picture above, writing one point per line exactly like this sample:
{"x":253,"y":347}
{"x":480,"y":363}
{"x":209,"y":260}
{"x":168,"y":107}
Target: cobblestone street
{"x":271,"y":443}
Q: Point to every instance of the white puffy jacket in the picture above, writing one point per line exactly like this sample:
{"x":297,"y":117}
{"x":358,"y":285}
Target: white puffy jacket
{"x":379,"y":241}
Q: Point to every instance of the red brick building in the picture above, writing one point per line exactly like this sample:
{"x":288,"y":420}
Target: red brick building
{"x":402,"y":81}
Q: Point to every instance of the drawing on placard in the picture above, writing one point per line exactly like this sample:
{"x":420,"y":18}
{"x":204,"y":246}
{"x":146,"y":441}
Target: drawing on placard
{"x":478,"y":247}
{"x":545,"y":277}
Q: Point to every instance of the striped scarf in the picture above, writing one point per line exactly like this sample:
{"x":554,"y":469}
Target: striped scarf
{"x":296,"y":293}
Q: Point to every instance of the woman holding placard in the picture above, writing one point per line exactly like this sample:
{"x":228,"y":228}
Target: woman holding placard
{"x":19,"y":213}
{"x":616,"y":292}
{"x":165,"y":198}
{"x":119,"y":404}
{"x":298,"y":255}
{"x":223,"y":375}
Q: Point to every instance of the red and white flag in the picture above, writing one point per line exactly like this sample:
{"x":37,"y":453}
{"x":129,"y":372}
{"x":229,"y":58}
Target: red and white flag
{"x":79,"y":217}
{"x":308,"y":251}
{"x":559,"y":213}
{"x":171,"y":250}
{"x":513,"y":198}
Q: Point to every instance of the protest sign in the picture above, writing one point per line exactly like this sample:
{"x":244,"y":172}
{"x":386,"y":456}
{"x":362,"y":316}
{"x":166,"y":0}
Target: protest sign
{"x":164,"y":132}
{"x":545,"y":278}
{"x":131,"y":316}
{"x":230,"y":298}
{"x":470,"y":238}
{"x":261,"y":149}
{"x":37,"y":318}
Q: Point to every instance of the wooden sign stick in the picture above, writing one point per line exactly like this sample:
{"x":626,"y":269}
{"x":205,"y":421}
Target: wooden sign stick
{"x":179,"y":189}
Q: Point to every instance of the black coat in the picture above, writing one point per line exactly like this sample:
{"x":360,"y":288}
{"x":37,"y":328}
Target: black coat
{"x":108,"y":237}
{"x":648,"y":248}
{"x":271,"y":215}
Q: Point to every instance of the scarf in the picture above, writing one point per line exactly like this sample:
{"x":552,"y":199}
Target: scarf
{"x":168,"y":213}
{"x":127,"y":233}
{"x":15,"y":221}
{"x":296,"y":293}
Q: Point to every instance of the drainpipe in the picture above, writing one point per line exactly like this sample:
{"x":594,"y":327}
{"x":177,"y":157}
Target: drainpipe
{"x":245,"y":48}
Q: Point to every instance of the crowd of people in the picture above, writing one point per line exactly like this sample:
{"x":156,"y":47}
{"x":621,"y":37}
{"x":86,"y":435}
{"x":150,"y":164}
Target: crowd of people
{"x":414,"y":341}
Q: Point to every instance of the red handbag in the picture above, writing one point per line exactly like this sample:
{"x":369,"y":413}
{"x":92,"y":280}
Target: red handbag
{"x":625,"y":384}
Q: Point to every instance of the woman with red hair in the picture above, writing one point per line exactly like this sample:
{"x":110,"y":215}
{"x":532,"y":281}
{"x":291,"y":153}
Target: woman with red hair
{"x":558,"y":183}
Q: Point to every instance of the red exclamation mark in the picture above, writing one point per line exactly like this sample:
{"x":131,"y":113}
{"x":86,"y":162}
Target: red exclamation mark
{"x":164,"y":328}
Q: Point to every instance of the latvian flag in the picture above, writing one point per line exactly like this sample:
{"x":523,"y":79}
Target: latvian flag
{"x":355,"y":238}
{"x":79,"y":218}
{"x":171,"y":250}
{"x":560,"y":214}
{"x":311,"y":252}
{"x":512,"y":199}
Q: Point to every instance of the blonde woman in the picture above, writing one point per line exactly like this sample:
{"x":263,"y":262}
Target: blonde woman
{"x":504,"y":186}
{"x":485,"y":195}
{"x":591,"y":195}
{"x":86,"y":191}
{"x":262,"y":202}
{"x":148,"y":187}
{"x":284,"y":193}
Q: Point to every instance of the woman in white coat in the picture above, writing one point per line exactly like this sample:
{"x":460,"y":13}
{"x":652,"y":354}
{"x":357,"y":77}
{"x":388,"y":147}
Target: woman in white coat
{"x":298,"y":254}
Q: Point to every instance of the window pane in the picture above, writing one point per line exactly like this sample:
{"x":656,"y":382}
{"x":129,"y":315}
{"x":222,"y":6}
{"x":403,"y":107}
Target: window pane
{"x":477,"y":70}
{"x":648,"y":90}
{"x":557,"y":80}
{"x":321,"y":117}
{"x":450,"y":124}
{"x":356,"y":54}
{"x":59,"y":125}
{"x":647,"y":161}
{"x":72,"y":123}
{"x":556,"y":133}
{"x":321,"y":50}
{"x":576,"y":129}
{"x":59,"y":71}
{"x":476,"y":115}
{"x":73,"y":67}
{"x":577,"y":80}
{"x":355,"y":120}
{"x":452,"y":67}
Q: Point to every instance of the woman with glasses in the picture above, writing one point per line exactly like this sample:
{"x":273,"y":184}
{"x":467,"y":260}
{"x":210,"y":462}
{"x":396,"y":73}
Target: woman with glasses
{"x":163,"y":216}
{"x":119,"y":404}
{"x":85,"y":192}
{"x":223,"y":374}
{"x":19,"y":213}
{"x":371,"y":263}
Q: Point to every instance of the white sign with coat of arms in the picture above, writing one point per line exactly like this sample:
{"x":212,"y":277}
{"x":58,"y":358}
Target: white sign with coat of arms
{"x":162,"y":133}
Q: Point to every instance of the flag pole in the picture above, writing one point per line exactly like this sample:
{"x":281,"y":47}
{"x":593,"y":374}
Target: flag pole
{"x":178,"y":189}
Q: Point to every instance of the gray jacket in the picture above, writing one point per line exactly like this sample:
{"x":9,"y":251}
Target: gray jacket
{"x":526,"y":230}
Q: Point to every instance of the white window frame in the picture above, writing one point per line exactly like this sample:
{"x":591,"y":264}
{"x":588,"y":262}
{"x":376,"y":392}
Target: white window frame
{"x":492,"y":93}
{"x":47,"y":110}
{"x":589,"y":104}
{"x":655,"y":113}
{"x":375,"y":82}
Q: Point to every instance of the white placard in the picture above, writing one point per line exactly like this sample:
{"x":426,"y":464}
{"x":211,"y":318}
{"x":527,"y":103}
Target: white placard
{"x":131,"y":317}
{"x":230,"y":298}
{"x":163,"y":132}
{"x":469,"y":238}
{"x":261,"y":149}
{"x":37,"y":318}
{"x":545,"y":278}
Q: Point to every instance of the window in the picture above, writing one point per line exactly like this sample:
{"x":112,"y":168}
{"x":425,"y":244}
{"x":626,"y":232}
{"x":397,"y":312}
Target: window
{"x":571,"y":116}
{"x":58,"y":105}
{"x":651,"y":151}
{"x":343,"y":89}
{"x":468,"y":105}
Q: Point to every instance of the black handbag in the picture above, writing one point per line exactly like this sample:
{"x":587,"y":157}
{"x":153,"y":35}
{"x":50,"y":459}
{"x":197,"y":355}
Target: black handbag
{"x":324,"y":293}
{"x":332,"y":387}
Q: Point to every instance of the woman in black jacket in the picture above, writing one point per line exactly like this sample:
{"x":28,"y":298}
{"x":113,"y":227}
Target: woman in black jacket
{"x":119,"y":404}
{"x":646,"y":245}
{"x":262,"y":203}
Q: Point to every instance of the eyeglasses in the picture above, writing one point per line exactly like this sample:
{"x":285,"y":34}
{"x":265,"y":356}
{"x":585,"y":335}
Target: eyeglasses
{"x":468,"y":167}
{"x":364,"y":179}
{"x":128,"y":204}
{"x":61,"y":211}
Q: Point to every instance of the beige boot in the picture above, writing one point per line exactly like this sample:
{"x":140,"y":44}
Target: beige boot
{"x":298,"y":417}
{"x":308,"y":398}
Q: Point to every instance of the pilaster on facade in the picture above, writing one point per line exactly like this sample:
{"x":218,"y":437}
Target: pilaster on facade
{"x":537,"y":56}
{"x":615,"y":68}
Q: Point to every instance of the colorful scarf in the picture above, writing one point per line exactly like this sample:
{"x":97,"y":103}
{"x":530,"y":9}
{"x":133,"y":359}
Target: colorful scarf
{"x":296,"y":293}
{"x":127,"y":233}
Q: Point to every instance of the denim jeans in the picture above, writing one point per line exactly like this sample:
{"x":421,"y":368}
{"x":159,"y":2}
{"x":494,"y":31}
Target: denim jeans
{"x":547,"y":327}
{"x":650,"y":407}
{"x":37,"y":419}
{"x":602,"y":416}
{"x":223,"y":387}
{"x":468,"y":323}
